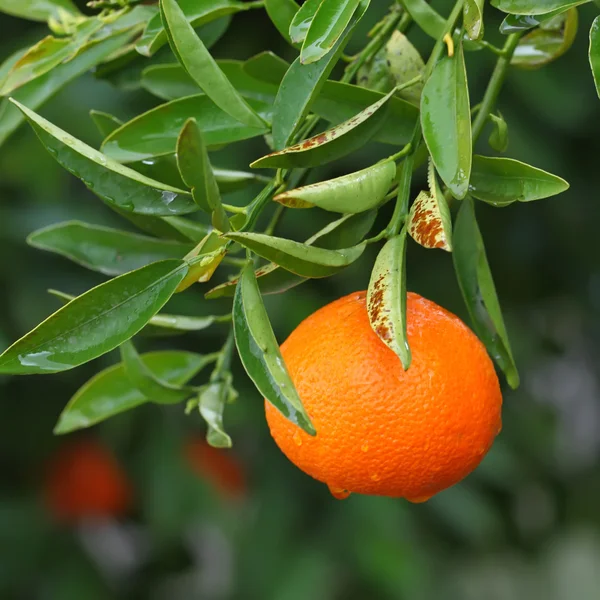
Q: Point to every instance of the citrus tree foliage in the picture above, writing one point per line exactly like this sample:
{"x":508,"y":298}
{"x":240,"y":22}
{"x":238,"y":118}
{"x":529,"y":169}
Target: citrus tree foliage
{"x":156,"y":171}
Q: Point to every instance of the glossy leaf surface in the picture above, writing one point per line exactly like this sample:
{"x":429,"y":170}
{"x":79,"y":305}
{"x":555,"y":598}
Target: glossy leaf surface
{"x":259,"y":352}
{"x":110,"y":392}
{"x":386,"y":297}
{"x":594,"y":52}
{"x":446,"y":122}
{"x":333,"y":143}
{"x":534,"y":7}
{"x":37,"y":10}
{"x":211,"y":402}
{"x":301,"y":21}
{"x":108,"y":251}
{"x":473,"y":18}
{"x":95,"y":322}
{"x":478,"y":290}
{"x":427,"y":18}
{"x":301,"y":259}
{"x":502,"y":181}
{"x":282,"y":13}
{"x":349,"y":194}
{"x":114,"y":183}
{"x":328,"y":24}
{"x":154,"y":133}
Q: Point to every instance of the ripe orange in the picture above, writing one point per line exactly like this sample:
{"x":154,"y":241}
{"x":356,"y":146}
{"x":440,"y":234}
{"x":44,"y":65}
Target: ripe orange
{"x":382,"y":430}
{"x":219,"y":467}
{"x":85,"y":480}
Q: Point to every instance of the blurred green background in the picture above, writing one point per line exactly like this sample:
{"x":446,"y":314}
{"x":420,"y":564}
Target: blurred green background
{"x":525,"y":525}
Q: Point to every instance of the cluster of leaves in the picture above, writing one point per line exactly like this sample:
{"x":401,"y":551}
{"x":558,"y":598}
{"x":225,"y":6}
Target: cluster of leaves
{"x":156,"y":170}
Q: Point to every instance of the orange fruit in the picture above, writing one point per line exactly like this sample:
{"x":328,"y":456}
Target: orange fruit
{"x":84,"y":480}
{"x":217,"y":466}
{"x":382,"y":430}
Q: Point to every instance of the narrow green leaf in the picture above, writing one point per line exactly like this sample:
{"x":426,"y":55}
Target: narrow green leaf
{"x":534,"y":7}
{"x":267,"y":67}
{"x":446,"y":122}
{"x":302,"y":19}
{"x":39,"y":90}
{"x":517,"y":23}
{"x":110,"y":392}
{"x":143,"y":379}
{"x":301,"y":259}
{"x":386,"y":297}
{"x":333,"y":143}
{"x":104,"y":122}
{"x":37,"y":10}
{"x":478,"y":290}
{"x":548,"y":42}
{"x":427,"y":18}
{"x":345,"y":232}
{"x":197,"y":61}
{"x":196,"y":171}
{"x":154,"y":133}
{"x":232,"y":181}
{"x":502,"y":181}
{"x":473,"y":18}
{"x":405,"y":63}
{"x":211,"y":402}
{"x":204,"y":259}
{"x":328,"y":24}
{"x":114,"y":183}
{"x":429,"y":222}
{"x":353,"y":193}
{"x":95,"y":322}
{"x":594,"y":52}
{"x":164,"y":324}
{"x":302,"y":84}
{"x":259,"y":352}
{"x":108,"y":251}
{"x":196,"y":13}
{"x":281,"y":13}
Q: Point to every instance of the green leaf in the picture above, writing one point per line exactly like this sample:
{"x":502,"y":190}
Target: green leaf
{"x":386,"y":297}
{"x":196,"y":13}
{"x":196,"y":171}
{"x":353,"y":193}
{"x":197,"y":61}
{"x":143,"y":379}
{"x":345,"y":232}
{"x":104,"y":122}
{"x":108,"y":251}
{"x":302,"y":19}
{"x":39,"y":90}
{"x":548,"y":42}
{"x":405,"y":63}
{"x":473,"y":19}
{"x":281,"y":13}
{"x":301,"y":259}
{"x":204,"y":259}
{"x":96,"y":322}
{"x":164,"y":324}
{"x":425,"y":17}
{"x":259,"y":352}
{"x":267,"y":67}
{"x":37,"y":10}
{"x":211,"y":402}
{"x":375,"y":74}
{"x":498,"y":139}
{"x":232,"y":181}
{"x":110,"y":392}
{"x":328,"y":24}
{"x":429,"y":222}
{"x":594,"y":52}
{"x":534,"y":7}
{"x":154,"y":133}
{"x":114,"y":183}
{"x":446,"y":122}
{"x":502,"y":181}
{"x":333,"y":143}
{"x":478,"y":290}
{"x":301,"y":85}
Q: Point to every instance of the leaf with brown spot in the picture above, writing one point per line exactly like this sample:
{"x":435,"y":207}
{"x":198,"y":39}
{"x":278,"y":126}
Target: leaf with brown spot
{"x":429,"y":221}
{"x":386,"y":297}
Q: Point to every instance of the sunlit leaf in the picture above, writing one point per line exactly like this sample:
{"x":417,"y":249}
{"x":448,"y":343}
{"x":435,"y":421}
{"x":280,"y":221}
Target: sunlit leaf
{"x":301,"y":21}
{"x":259,"y":352}
{"x":473,"y":18}
{"x":110,"y":392}
{"x":37,"y":10}
{"x":386,"y":297}
{"x":95,"y":322}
